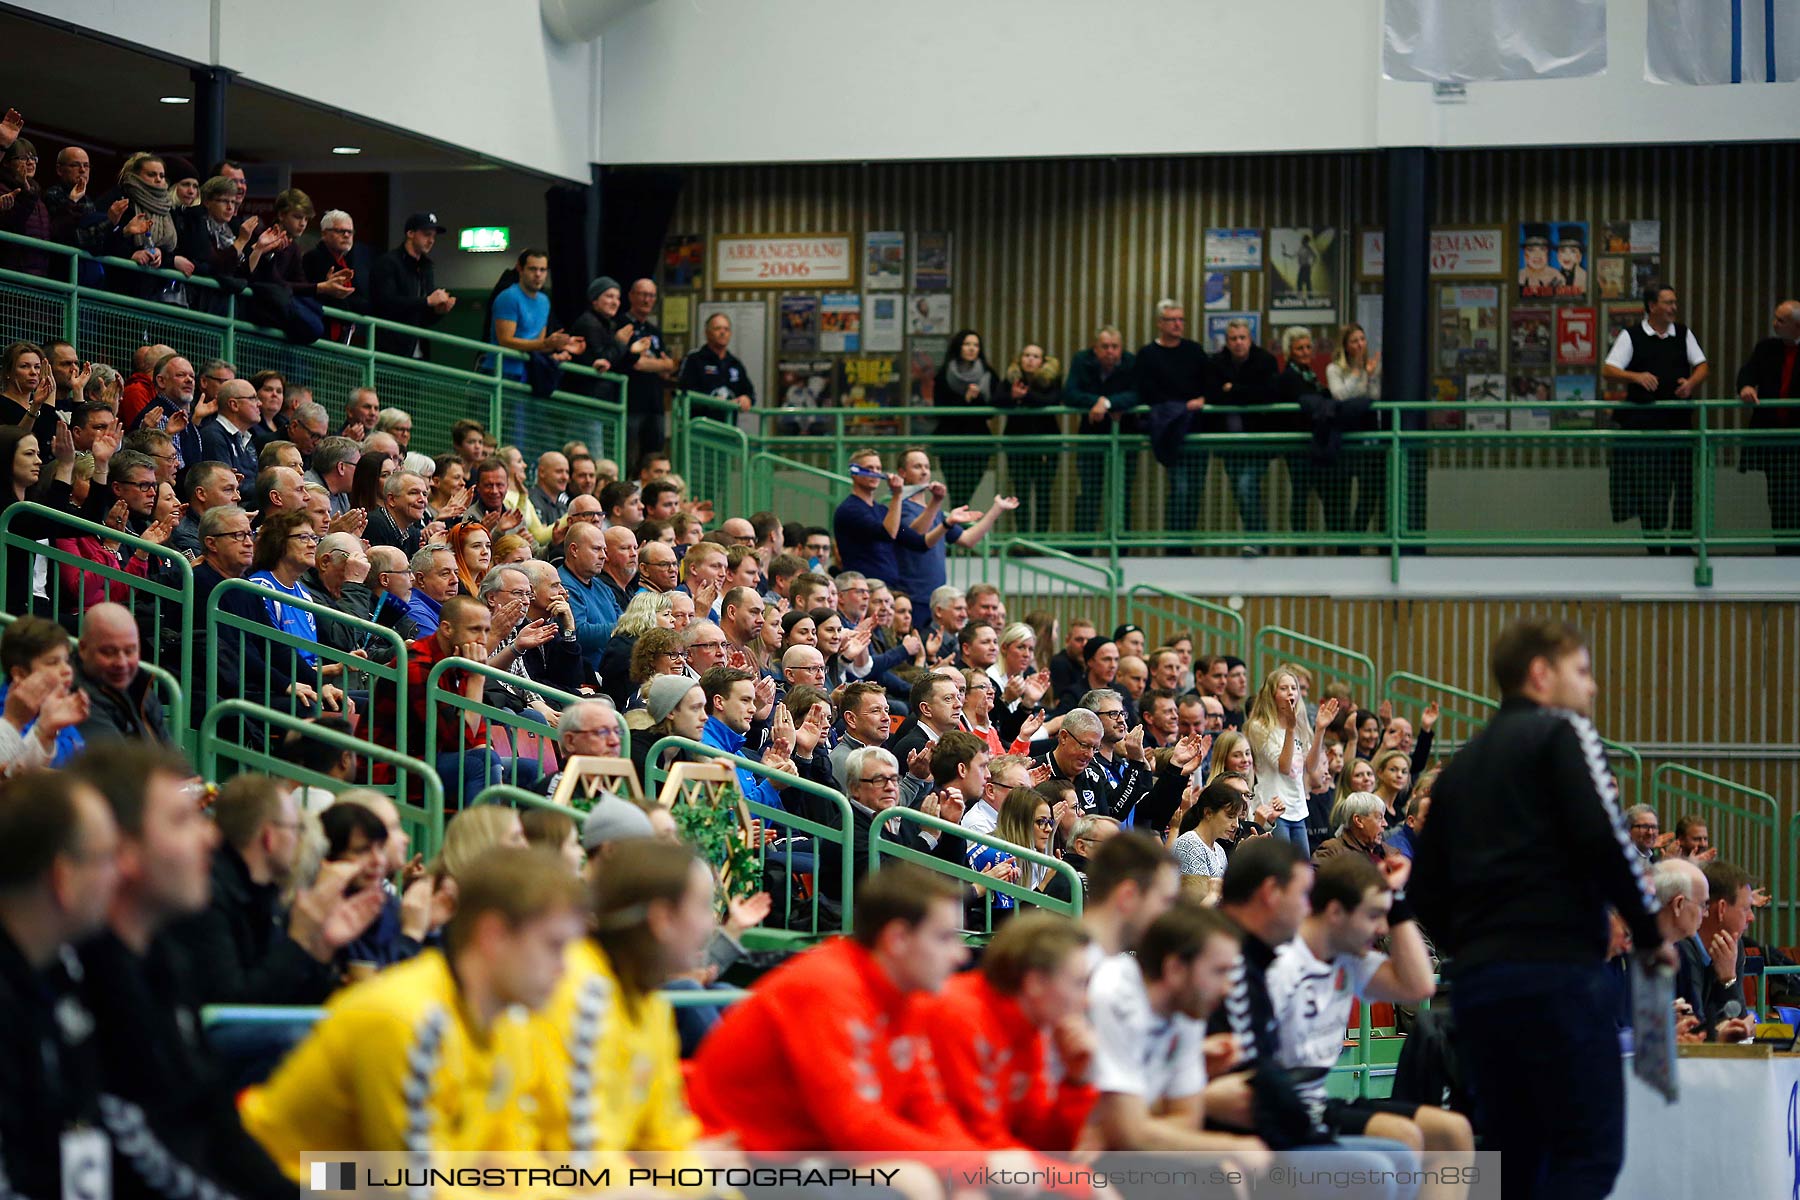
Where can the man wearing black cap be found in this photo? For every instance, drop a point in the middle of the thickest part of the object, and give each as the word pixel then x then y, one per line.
pixel 713 370
pixel 1537 278
pixel 1661 364
pixel 403 287
pixel 600 326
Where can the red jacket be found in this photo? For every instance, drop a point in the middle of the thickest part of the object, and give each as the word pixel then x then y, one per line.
pixel 139 391
pixel 826 1055
pixel 999 1070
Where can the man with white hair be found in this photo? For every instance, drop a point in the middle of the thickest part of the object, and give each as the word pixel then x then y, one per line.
pixel 337 253
pixel 872 782
pixel 589 728
pixel 397 423
pixel 360 412
pixel 1174 379
pixel 507 592
pixel 949 613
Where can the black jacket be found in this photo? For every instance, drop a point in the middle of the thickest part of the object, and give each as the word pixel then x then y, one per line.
pixel 241 937
pixel 1252 384
pixel 1282 1118
pixel 134 714
pixel 398 286
pixel 830 856
pixel 164 1105
pixel 358 601
pixel 49 1071
pixel 1525 848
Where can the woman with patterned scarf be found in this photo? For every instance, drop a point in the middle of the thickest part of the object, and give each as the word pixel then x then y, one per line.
pixel 144 230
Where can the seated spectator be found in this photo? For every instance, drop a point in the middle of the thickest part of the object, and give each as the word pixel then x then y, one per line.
pixel 390 584
pixel 607 1036
pixel 732 702
pixel 122 696
pixel 1393 779
pixel 286 549
pixel 1405 838
pixel 309 425
pixel 209 484
pixel 1712 960
pixel 1332 961
pixel 646 611
pixel 400 520
pixel 657 652
pixel 27 391
pixel 21 458
pixel 872 782
pixel 473 547
pixel 1364 821
pixel 1645 828
pixel 549 493
pixel 165 1096
pixel 587 728
pixel 337 580
pixel 56 886
pixel 1025 820
pixel 1213 819
pixel 434 580
pixel 547 829
pixel 392 1062
pixel 313 755
pixel 936 704
pixel 227 436
pixel 334 462
pixel 78 589
pixel 1148 1012
pixel 257 949
pixel 589 597
pixel 507 593
pixel 34 654
pixel 356 844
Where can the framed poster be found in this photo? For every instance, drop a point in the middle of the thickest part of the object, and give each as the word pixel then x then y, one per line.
pixel 1573 390
pixel 1625 276
pixel 931 263
pixel 1631 237
pixel 873 381
pixel 1484 389
pixel 677 315
pixel 1576 336
pixel 924 355
pixel 1233 249
pixel 882 327
pixel 684 261
pixel 928 313
pixel 1303 273
pixel 1468 327
pixel 803 383
pixel 1218 291
pixel 840 323
pixel 884 261
pixel 1619 318
pixel 1553 260
pixel 799 328
pixel 1446 391
pixel 1532 391
pixel 744 260
pixel 1457 252
pixel 1528 337
pixel 1216 323
pixel 749 340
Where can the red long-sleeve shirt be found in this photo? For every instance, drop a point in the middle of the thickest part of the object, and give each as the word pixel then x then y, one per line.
pixel 997 1070
pixel 826 1055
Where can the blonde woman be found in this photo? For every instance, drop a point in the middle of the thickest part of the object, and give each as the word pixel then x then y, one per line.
pixel 1231 752
pixel 1357 776
pixel 1393 776
pixel 1354 380
pixel 1286 749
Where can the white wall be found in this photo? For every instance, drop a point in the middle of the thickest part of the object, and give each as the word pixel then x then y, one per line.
pixel 464 198
pixel 728 81
pixel 476 73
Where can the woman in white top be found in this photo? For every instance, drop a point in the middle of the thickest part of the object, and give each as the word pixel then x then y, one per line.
pixel 1355 374
pixel 1213 818
pixel 1286 748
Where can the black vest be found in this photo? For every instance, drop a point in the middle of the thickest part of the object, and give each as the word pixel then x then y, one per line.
pixel 1665 358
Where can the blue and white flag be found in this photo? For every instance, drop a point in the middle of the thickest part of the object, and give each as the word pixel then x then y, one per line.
pixel 1466 41
pixel 1723 41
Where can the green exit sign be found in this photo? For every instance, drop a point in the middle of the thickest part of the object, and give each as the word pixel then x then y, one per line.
pixel 484 239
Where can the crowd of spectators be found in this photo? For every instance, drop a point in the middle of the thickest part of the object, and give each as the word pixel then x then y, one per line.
pixel 1241 846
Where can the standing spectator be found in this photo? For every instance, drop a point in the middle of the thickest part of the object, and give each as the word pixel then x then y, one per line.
pixel 713 370
pixel 1772 373
pixel 598 326
pixel 229 436
pixel 1353 384
pixel 281 265
pixel 1661 364
pixel 338 259
pixel 1287 748
pixel 1174 379
pixel 403 287
pixel 144 229
pixel 520 319
pixel 23 210
pixel 922 572
pixel 868 535
pixel 963 381
pixel 219 247
pixel 75 220
pixel 1103 380
pixel 1032 380
pixel 650 372
pixel 1246 379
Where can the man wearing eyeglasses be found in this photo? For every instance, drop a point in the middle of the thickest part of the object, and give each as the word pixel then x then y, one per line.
pixel 804 665
pixel 134 488
pixel 1645 828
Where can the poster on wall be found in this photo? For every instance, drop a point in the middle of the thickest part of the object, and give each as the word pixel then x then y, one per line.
pixel 1632 237
pixel 1233 249
pixel 1531 392
pixel 883 328
pixel 749 341
pixel 1446 391
pixel 1468 327
pixel 873 381
pixel 1486 388
pixel 1575 336
pixel 1216 323
pixel 803 383
pixel 1553 260
pixel 931 263
pixel 1619 318
pixel 840 323
pixel 884 261
pixel 684 261
pixel 1573 390
pixel 1368 315
pixel 1622 276
pixel 1457 252
pixel 1303 273
pixel 928 313
pixel 677 315
pixel 1218 291
pixel 1529 337
pixel 799 329
pixel 924 355
pixel 747 260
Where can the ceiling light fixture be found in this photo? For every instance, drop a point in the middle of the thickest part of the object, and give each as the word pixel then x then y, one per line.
pixel 174 99
pixel 346 149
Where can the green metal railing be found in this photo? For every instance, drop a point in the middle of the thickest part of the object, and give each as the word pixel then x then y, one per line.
pixel 882 847
pixel 357 677
pixel 518 797
pixel 423 816
pixel 805 922
pixel 1164 614
pixel 1328 662
pixel 527 739
pixel 796 490
pixel 1461 714
pixel 161 599
pixel 1745 823
pixel 1034 575
pixel 108 327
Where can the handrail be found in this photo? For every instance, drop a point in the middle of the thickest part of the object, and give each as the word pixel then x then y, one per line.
pixel 1231 618
pixel 437 694
pixel 1268 656
pixel 427 819
pixel 880 847
pixel 518 797
pixel 843 835
pixel 1742 812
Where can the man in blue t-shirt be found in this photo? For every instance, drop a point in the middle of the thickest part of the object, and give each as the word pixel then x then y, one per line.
pixel 521 318
pixel 919 572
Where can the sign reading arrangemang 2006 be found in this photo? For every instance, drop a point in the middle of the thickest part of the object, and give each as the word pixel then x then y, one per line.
pixel 800 260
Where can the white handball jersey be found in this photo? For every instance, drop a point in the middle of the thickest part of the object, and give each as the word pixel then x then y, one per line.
pixel 1138 1053
pixel 1312 1006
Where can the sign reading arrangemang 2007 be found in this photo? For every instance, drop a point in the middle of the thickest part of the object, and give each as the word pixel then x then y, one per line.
pixel 783 260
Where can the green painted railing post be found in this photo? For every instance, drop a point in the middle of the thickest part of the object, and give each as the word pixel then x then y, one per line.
pixel 1703 504
pixel 72 313
pixel 1396 493
pixel 496 398
pixel 1114 499
pixel 228 341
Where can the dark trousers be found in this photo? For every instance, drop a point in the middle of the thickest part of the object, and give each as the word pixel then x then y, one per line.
pixel 962 475
pixel 1781 468
pixel 1033 478
pixel 1245 473
pixel 1645 478
pixel 1187 481
pixel 1090 468
pixel 1542 1055
pixel 643 434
